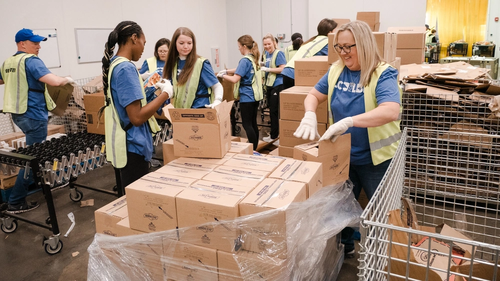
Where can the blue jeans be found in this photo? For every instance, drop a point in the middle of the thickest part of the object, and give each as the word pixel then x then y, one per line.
pixel 366 177
pixel 36 132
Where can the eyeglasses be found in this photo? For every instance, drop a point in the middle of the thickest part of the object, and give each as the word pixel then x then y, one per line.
pixel 162 52
pixel 346 49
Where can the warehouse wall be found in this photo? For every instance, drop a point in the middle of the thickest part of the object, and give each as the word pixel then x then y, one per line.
pixel 492 26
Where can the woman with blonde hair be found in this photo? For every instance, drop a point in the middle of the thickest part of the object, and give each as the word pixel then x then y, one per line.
pixel 194 80
pixel 274 62
pixel 315 46
pixel 364 99
pixel 248 86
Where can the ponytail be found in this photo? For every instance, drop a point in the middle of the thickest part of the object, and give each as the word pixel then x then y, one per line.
pixel 255 51
pixel 247 40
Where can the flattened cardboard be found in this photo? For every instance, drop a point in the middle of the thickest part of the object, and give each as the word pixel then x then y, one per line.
pixel 335 157
pixel 60 95
pixel 93 103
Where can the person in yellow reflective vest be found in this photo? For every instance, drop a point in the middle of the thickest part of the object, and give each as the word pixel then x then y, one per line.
pixel 129 120
pixel 274 62
pixel 193 78
pixel 364 99
pixel 248 86
pixel 26 98
pixel 315 46
pixel 157 62
pixel 292 49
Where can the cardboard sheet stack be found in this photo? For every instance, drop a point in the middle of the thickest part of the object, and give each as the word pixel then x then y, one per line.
pixel 456 111
pixel 226 216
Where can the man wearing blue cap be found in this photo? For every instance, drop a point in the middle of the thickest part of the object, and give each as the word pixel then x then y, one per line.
pixel 26 98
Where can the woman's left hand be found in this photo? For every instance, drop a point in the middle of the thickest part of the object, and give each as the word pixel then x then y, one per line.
pixel 337 129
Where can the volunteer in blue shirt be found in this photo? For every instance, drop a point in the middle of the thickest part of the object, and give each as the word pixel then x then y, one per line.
pixel 364 99
pixel 157 62
pixel 248 86
pixel 291 50
pixel 273 65
pixel 26 98
pixel 193 78
pixel 315 46
pixel 129 120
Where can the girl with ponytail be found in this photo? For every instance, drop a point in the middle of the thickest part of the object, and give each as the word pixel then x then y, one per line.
pixel 129 120
pixel 248 86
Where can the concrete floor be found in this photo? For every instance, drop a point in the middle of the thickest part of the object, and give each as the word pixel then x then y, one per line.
pixel 24 258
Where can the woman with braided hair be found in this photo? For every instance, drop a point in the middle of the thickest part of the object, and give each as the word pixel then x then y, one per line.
pixel 129 120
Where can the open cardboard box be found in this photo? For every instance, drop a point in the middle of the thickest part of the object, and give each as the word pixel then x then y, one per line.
pixel 437 260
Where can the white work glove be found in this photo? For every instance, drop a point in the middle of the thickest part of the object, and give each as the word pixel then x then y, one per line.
pixel 222 73
pixel 337 129
pixel 265 69
pixel 218 91
pixel 213 105
pixel 145 75
pixel 70 80
pixel 165 86
pixel 308 128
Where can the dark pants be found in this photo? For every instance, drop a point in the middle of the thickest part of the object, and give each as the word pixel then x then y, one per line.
pixel 366 177
pixel 249 121
pixel 273 100
pixel 36 132
pixel 288 82
pixel 136 168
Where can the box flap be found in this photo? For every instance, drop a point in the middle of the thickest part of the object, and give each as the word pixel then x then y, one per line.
pixel 200 115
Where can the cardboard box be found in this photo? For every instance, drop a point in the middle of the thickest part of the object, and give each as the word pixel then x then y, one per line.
pixel 285 151
pixel 287 128
pixel 93 103
pixel 60 95
pixel 209 163
pixel 308 71
pixel 186 169
pixel 8 138
pixel 333 56
pixel 409 37
pixel 335 157
pixel 241 148
pixel 202 132
pixel 267 233
pixel 168 151
pixel 123 228
pixel 340 22
pixel 254 162
pixel 310 173
pixel 7 181
pixel 371 18
pixel 109 215
pixel 385 45
pixel 410 56
pixel 94 86
pixel 205 218
pixel 184 261
pixel 237 176
pixel 228 88
pixel 292 105
pixel 55 129
pixel 151 203
pixel 265 267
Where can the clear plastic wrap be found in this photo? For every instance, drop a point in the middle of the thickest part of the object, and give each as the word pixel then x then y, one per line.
pixel 298 242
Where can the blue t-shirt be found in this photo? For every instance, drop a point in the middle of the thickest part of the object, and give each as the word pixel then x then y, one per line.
pixel 245 70
pixel 207 80
pixel 348 100
pixel 125 89
pixel 280 60
pixel 37 107
pixel 290 72
pixel 159 65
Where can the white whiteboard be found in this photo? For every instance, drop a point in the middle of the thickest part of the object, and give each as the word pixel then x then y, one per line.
pixel 90 43
pixel 49 53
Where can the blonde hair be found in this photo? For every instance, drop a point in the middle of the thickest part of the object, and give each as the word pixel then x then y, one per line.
pixel 270 36
pixel 368 56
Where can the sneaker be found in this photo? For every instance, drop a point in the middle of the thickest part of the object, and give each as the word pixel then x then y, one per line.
pixel 4 206
pixel 349 253
pixel 268 139
pixel 61 186
pixel 155 163
pixel 23 207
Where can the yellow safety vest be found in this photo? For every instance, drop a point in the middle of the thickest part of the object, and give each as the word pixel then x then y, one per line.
pixel 271 77
pixel 384 139
pixel 308 50
pixel 289 53
pixel 116 136
pixel 152 64
pixel 256 82
pixel 186 94
pixel 16 85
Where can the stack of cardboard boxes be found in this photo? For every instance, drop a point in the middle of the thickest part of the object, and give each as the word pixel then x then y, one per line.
pixel 371 18
pixel 411 44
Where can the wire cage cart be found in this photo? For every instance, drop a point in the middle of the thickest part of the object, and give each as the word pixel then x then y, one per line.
pixel 483 49
pixel 448 167
pixel 458 48
pixel 432 52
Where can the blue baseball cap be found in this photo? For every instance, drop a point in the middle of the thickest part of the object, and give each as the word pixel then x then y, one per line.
pixel 27 34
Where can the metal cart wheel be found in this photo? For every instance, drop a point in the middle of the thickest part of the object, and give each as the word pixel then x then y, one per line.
pixel 12 228
pixel 77 196
pixel 52 251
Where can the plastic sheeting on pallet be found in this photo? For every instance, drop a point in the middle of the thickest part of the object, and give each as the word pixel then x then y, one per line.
pixel 299 242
